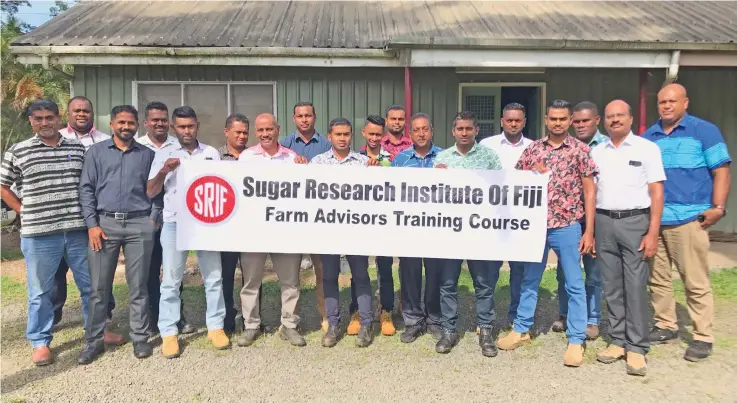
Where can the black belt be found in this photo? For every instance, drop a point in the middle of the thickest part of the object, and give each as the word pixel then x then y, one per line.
pixel 125 216
pixel 617 214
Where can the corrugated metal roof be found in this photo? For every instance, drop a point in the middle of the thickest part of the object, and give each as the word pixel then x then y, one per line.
pixel 372 24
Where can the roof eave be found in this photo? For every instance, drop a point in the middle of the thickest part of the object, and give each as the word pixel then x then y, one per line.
pixel 399 43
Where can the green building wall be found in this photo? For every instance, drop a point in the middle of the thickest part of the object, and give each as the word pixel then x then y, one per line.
pixel 354 93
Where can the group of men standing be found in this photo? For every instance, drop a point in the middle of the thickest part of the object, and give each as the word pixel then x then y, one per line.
pixel 606 196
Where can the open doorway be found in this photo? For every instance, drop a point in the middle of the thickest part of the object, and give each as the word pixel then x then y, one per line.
pixel 487 100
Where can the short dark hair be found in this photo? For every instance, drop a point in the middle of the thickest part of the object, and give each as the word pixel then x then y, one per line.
pixel 514 106
pixel 80 98
pixel 586 106
pixel 236 117
pixel 393 108
pixel 465 115
pixel 420 115
pixel 156 105
pixel 559 104
pixel 43 105
pixel 339 122
pixel 304 103
pixel 184 112
pixel 124 108
pixel 377 120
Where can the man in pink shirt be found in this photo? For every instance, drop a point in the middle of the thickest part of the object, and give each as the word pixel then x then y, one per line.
pixel 286 265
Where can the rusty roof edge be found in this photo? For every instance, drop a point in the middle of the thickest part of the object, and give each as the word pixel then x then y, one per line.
pixel 169 51
pixel 410 42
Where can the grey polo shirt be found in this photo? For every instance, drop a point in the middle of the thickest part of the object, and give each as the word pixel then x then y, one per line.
pixel 115 181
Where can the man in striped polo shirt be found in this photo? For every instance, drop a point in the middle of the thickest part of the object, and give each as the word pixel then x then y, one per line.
pixel 48 166
pixel 696 164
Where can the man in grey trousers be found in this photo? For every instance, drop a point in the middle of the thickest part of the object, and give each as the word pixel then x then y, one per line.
pixel 629 204
pixel 118 213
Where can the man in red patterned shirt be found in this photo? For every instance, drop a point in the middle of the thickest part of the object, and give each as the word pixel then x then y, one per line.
pixel 395 141
pixel 571 171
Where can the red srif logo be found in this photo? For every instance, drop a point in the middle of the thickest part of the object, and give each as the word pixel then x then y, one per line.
pixel 210 199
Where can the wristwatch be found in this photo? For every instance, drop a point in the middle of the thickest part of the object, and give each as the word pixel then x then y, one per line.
pixel 720 207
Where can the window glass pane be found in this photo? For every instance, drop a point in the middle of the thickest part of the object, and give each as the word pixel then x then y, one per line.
pixel 252 100
pixel 169 94
pixel 211 104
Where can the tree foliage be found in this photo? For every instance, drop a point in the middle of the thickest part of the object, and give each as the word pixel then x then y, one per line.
pixel 20 84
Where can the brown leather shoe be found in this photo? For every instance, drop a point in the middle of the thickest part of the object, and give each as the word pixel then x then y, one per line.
pixel 573 356
pixel 636 364
pixel 592 332
pixel 114 339
pixel 512 340
pixel 42 356
pixel 611 354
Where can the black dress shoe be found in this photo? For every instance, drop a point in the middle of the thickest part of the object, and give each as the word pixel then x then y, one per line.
pixel 365 336
pixel 412 333
pixel 90 353
pixel 142 349
pixel 446 342
pixel 697 351
pixel 331 337
pixel 185 327
pixel 436 331
pixel 659 336
pixel 486 341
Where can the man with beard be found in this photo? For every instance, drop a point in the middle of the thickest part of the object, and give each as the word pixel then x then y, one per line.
pixel 163 177
pixel 586 129
pixel 47 166
pixel 395 141
pixel 80 126
pixel 157 138
pixel 571 196
pixel 118 213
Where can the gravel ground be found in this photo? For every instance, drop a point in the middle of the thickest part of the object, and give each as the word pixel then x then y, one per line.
pixel 388 370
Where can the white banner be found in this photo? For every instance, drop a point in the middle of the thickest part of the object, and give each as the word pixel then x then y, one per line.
pixel 374 211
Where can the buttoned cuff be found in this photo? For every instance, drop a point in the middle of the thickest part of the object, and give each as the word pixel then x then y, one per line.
pixel 92 222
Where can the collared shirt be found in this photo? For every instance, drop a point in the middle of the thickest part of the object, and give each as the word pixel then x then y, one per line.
pixel 393 149
pixel 478 157
pixel 409 158
pixel 146 141
pixel 384 157
pixel 93 137
pixel 507 151
pixel 49 177
pixel 568 164
pixel 329 158
pixel 625 172
pixel 257 153
pixel 227 155
pixel 598 138
pixel 690 152
pixel 201 153
pixel 114 180
pixel 318 144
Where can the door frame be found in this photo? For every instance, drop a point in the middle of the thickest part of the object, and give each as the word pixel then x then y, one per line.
pixel 536 84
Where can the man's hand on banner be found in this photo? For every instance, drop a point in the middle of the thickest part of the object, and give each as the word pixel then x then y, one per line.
pixel 540 168
pixel 441 166
pixel 170 165
pixel 372 162
pixel 300 160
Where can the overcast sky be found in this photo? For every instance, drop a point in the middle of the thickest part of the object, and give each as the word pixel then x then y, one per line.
pixel 37 14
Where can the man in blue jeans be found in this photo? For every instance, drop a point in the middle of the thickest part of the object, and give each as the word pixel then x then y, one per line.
pixel 586 129
pixel 571 172
pixel 48 166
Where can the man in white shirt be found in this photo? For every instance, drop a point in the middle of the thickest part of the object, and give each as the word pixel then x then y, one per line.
pixel 156 138
pixel 286 265
pixel 629 204
pixel 509 146
pixel 80 126
pixel 163 176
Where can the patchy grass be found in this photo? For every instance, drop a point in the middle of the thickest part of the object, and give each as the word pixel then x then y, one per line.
pixel 12 289
pixel 7 254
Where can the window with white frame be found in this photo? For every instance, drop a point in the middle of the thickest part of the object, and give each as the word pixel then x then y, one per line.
pixel 212 101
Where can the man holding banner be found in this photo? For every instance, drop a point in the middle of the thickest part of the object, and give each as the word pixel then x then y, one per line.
pixel 286 265
pixel 340 133
pixel 416 321
pixel 466 154
pixel 571 173
pixel 163 176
